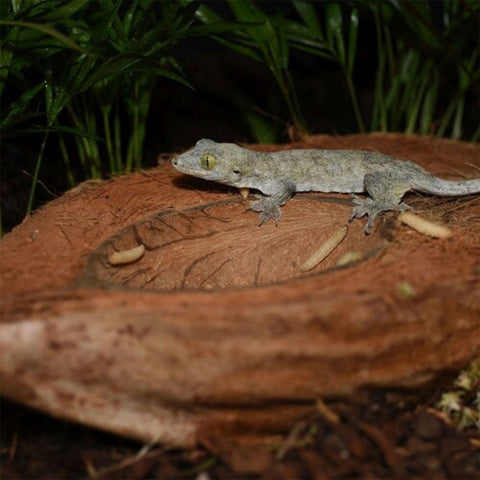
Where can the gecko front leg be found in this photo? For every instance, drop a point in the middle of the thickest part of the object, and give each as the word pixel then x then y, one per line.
pixel 269 205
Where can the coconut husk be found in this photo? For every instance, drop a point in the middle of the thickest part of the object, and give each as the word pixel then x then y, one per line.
pixel 216 327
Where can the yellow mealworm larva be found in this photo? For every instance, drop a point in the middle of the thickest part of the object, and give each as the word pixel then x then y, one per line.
pixel 244 192
pixel 126 256
pixel 326 248
pixel 349 257
pixel 423 226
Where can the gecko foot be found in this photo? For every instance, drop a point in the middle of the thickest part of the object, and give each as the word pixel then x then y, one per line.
pixel 268 208
pixel 372 208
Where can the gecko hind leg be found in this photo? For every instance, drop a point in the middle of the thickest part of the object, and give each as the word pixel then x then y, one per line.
pixel 385 193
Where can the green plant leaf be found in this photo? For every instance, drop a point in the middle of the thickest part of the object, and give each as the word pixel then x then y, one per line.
pixel 63 10
pixel 418 17
pixel 162 72
pixel 299 36
pixel 36 129
pixel 307 13
pixel 17 108
pixel 45 29
pixel 429 104
pixel 201 12
pixel 335 31
pixel 78 132
pixel 352 40
pixel 6 58
pixel 247 11
pixel 262 128
pixel 218 27
pixel 248 51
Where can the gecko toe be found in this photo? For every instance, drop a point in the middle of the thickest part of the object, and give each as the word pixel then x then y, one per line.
pixel 366 207
pixel 267 208
pixel 262 218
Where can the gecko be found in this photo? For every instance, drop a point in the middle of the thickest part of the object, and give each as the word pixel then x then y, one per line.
pixel 277 176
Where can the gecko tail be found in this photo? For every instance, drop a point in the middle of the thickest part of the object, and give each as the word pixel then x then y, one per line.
pixel 446 188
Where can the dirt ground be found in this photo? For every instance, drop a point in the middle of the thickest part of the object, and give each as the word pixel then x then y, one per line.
pixel 376 434
pixel 215 348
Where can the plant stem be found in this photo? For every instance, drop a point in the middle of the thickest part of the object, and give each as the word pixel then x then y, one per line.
pixel 117 135
pixel 457 121
pixel 108 140
pixel 35 175
pixel 353 98
pixel 378 111
pixel 66 160
pixel 284 85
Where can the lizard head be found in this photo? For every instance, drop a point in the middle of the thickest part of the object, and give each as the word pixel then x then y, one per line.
pixel 220 162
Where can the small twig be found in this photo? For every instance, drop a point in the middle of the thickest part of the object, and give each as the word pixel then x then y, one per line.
pixel 143 453
pixel 327 413
pixel 40 183
pixel 291 440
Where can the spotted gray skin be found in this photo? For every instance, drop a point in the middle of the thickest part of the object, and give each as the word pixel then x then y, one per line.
pixel 279 175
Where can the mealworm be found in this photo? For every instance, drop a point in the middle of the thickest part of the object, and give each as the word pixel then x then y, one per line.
pixel 349 257
pixel 423 226
pixel 126 256
pixel 325 249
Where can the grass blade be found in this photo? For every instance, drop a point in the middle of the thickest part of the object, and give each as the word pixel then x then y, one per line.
pixel 335 31
pixel 68 42
pixel 307 13
pixel 35 175
pixel 63 11
pixel 352 40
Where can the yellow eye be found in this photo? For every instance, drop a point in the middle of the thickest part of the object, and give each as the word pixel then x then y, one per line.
pixel 208 161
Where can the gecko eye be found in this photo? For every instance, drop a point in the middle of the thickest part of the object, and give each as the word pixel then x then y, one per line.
pixel 208 161
pixel 236 171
